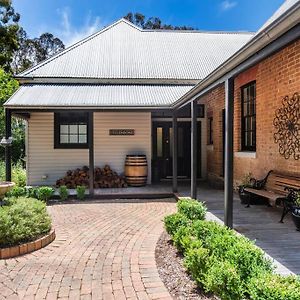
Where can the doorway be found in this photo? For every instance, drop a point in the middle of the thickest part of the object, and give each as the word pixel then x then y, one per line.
pixel 162 151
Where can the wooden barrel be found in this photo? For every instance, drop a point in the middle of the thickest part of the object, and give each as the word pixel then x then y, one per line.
pixel 136 170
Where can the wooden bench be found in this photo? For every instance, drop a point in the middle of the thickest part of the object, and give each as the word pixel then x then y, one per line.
pixel 278 188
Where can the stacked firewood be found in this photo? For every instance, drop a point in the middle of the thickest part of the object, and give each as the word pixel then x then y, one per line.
pixel 103 178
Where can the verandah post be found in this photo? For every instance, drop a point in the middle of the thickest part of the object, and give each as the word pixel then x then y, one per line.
pixel 7 146
pixel 228 188
pixel 194 150
pixel 175 151
pixel 91 153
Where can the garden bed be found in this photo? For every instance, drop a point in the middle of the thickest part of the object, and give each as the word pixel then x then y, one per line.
pixel 173 273
pixel 223 263
pixel 22 221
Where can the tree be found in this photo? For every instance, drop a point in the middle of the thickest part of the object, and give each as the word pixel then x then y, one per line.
pixel 8 85
pixel 152 22
pixel 33 51
pixel 8 33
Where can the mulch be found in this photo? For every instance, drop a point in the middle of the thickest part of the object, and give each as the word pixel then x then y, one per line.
pixel 173 274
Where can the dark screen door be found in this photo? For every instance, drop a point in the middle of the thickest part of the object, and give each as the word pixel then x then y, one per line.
pixel 162 133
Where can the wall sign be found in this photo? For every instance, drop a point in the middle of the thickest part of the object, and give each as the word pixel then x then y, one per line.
pixel 121 131
pixel 286 123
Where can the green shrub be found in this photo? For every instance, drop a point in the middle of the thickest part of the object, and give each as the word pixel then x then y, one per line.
pixel 192 209
pixel 222 279
pixel 224 244
pixel 23 220
pixel 274 287
pixel 197 261
pixel 16 192
pixel 63 192
pixel 183 238
pixel 80 191
pixel 174 222
pixel 19 175
pixel 44 193
pixel 32 192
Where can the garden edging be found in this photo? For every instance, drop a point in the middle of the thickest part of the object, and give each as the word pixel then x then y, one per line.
pixel 29 247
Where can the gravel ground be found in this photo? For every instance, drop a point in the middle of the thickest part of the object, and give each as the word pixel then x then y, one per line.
pixel 173 274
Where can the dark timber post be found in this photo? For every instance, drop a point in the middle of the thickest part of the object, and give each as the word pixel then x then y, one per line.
pixel 175 151
pixel 228 192
pixel 194 150
pixel 91 153
pixel 7 147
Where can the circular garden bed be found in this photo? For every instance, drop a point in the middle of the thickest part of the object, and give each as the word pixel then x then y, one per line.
pixel 25 226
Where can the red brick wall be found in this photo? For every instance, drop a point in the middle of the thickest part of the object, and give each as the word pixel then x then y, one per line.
pixel 276 77
pixel 214 102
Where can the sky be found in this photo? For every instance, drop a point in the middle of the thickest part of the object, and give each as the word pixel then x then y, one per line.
pixel 72 20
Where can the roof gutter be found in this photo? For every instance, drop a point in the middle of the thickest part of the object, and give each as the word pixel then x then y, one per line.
pixel 230 67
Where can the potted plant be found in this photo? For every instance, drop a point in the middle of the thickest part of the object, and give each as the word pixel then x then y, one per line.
pixel 296 212
pixel 245 182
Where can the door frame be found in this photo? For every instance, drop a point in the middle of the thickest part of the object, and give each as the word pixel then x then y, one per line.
pixel 153 147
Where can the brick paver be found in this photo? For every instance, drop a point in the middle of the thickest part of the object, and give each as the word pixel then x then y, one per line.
pixel 103 250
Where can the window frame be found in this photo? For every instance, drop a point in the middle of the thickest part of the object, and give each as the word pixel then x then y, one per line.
pixel 58 122
pixel 244 147
pixel 210 131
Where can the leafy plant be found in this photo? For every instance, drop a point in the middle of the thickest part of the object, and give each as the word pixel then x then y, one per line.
pixel 174 222
pixel 274 287
pixel 32 192
pixel 44 193
pixel 192 209
pixel 63 192
pixel 246 180
pixel 16 192
pixel 22 220
pixel 80 191
pixel 19 175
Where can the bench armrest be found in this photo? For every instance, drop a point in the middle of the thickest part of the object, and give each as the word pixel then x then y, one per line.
pixel 259 184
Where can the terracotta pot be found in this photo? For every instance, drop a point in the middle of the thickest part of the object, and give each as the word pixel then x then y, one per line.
pixel 5 187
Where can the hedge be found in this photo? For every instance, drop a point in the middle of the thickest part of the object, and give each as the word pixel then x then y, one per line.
pixel 224 263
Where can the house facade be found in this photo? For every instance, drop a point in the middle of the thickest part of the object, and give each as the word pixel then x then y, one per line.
pixel 259 92
pixel 223 104
pixel 128 78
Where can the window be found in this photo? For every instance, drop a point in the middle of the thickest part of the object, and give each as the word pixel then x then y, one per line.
pixel 71 130
pixel 210 131
pixel 249 117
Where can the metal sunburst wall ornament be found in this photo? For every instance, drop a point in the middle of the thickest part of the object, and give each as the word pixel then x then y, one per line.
pixel 287 125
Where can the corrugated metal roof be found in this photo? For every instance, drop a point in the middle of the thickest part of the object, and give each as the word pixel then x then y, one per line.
pixel 96 96
pixel 123 50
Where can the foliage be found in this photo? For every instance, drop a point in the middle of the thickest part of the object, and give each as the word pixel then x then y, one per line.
pixel 16 192
pixel 80 191
pixel 246 180
pixel 33 51
pixel 8 85
pixel 18 174
pixel 274 287
pixel 222 262
pixel 63 192
pixel 152 22
pixel 8 33
pixel 174 222
pixel 32 192
pixel 192 209
pixel 44 193
pixel 23 220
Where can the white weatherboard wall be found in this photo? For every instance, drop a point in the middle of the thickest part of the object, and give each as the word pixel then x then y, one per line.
pixel 43 160
pixel 111 149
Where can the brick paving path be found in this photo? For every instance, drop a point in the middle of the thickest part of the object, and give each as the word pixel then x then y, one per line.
pixel 103 250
